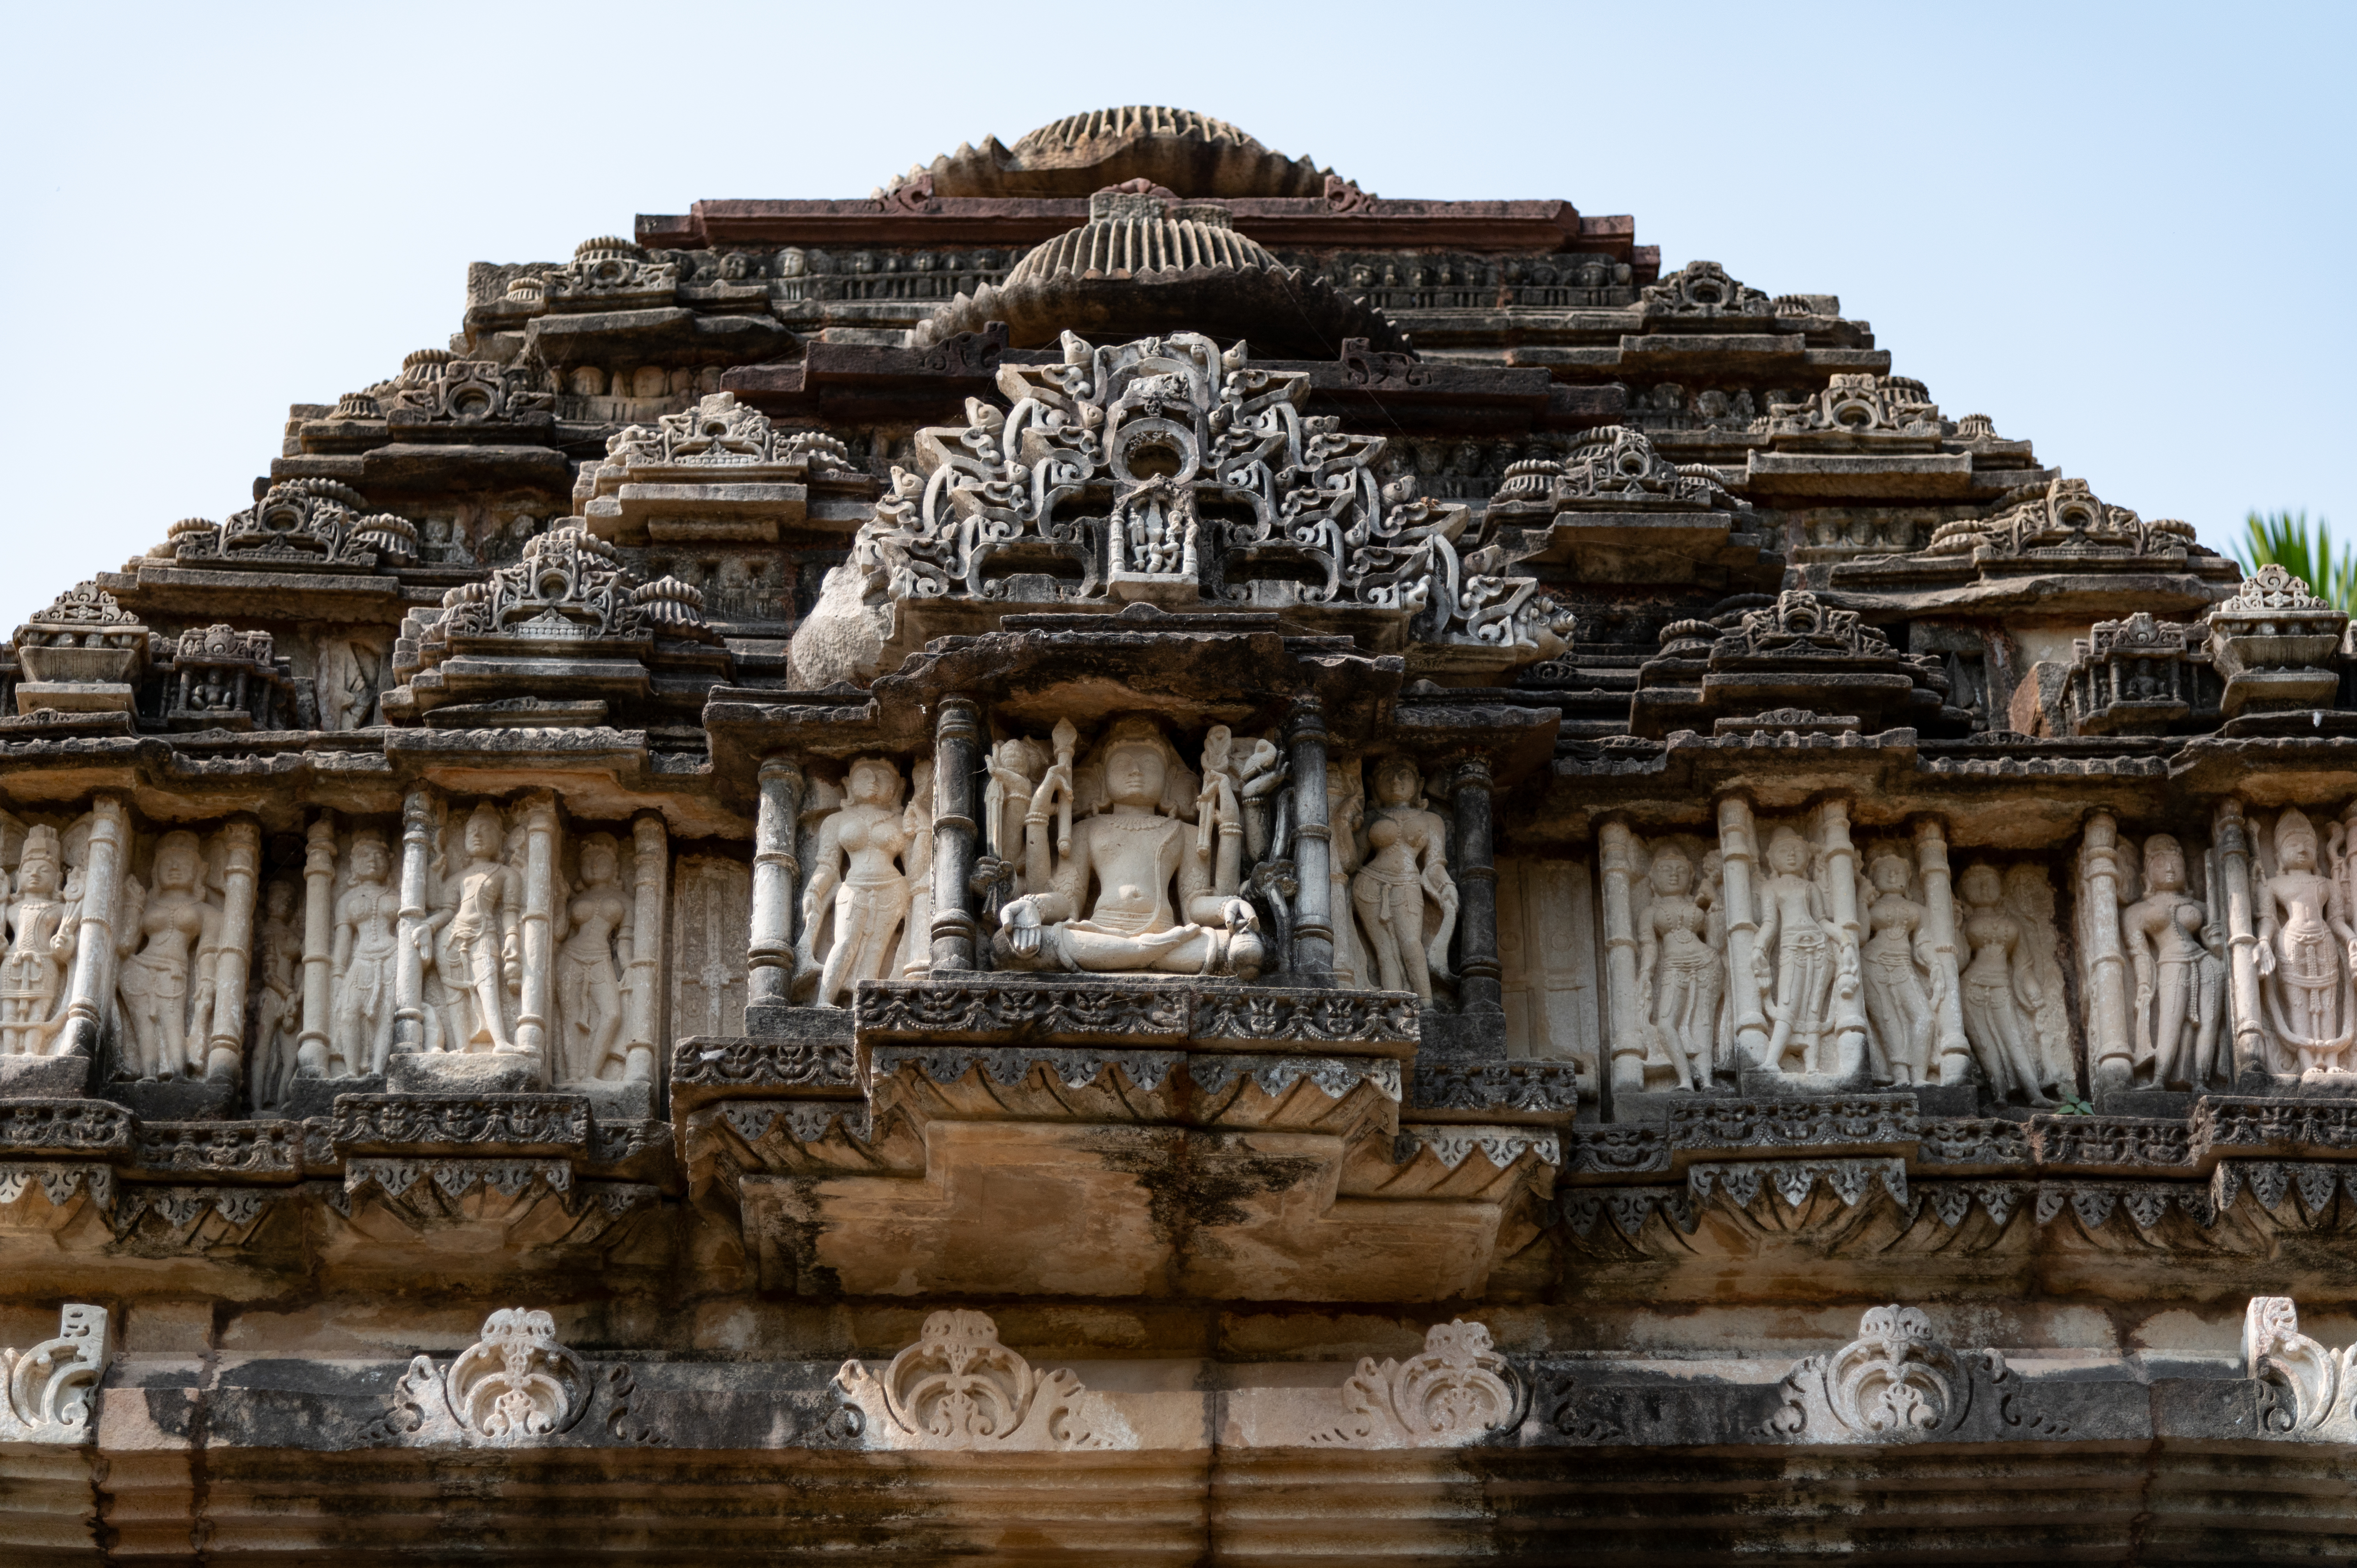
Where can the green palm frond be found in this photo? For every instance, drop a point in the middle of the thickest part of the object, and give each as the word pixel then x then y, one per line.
pixel 2282 539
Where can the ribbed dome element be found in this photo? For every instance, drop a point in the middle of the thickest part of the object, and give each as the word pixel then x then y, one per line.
pixel 1191 154
pixel 1146 262
pixel 1129 233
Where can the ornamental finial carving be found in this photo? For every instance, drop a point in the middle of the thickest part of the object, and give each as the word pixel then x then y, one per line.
pixel 516 1387
pixel 48 1388
pixel 1457 1391
pixel 958 1389
pixel 2308 1389
pixel 1897 1382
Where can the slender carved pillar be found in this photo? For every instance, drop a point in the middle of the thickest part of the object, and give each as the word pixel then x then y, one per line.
pixel 417 823
pixel 1738 849
pixel 241 876
pixel 1955 1065
pixel 2234 837
pixel 1313 848
pixel 1627 1041
pixel 539 910
pixel 1849 992
pixel 2109 1042
pixel 93 968
pixel 318 947
pixel 769 950
pixel 1478 986
pixel 651 862
pixel 957 744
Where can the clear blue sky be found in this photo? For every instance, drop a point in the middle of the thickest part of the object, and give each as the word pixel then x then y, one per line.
pixel 2124 232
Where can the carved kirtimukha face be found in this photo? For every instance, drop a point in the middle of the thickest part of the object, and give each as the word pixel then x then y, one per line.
pixel 1397 781
pixel 2164 864
pixel 368 858
pixel 1981 886
pixel 1672 874
pixel 1788 853
pixel 1890 875
pixel 1134 774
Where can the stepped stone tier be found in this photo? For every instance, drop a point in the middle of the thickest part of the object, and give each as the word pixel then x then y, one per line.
pixel 1124 855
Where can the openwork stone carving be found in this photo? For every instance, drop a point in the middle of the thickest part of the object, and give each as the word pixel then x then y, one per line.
pixel 515 1388
pixel 1109 463
pixel 958 1389
pixel 1457 1392
pixel 570 586
pixel 80 655
pixel 1857 405
pixel 48 1387
pixel 2311 1387
pixel 2068 521
pixel 1703 288
pixel 1895 1382
pixel 300 525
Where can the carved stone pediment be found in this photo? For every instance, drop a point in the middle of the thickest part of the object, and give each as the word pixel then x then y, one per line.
pixel 83 654
pixel 606 274
pixel 300 525
pixel 718 471
pixel 2276 644
pixel 1703 289
pixel 1613 510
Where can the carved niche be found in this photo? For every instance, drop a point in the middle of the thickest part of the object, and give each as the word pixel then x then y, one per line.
pixel 2152 937
pixel 227 679
pixel 1785 946
pixel 182 930
pixel 2291 985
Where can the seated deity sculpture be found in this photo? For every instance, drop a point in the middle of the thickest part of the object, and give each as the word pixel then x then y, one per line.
pixel 1113 860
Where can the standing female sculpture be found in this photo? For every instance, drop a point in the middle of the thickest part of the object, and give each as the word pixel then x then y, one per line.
pixel 1807 949
pixel 871 897
pixel 277 997
pixel 366 938
pixel 165 985
pixel 2179 981
pixel 1998 990
pixel 482 935
pixel 588 988
pixel 1897 975
pixel 1404 896
pixel 1678 969
pixel 42 928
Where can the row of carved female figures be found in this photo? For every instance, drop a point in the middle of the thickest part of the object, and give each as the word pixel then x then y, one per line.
pixel 1820 958
pixel 1120 859
pixel 590 1019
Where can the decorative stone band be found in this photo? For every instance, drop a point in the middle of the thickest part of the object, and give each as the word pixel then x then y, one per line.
pixel 1545 1088
pixel 263 1150
pixel 63 1126
pixel 1006 1008
pixel 515 1124
pixel 1211 1073
pixel 1704 1123
pixel 1793 1180
pixel 1452 1144
pixel 709 1066
pixel 190 1217
pixel 804 1121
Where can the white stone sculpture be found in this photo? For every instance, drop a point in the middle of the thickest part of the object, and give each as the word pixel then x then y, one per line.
pixel 362 954
pixel 277 995
pixel 43 926
pixel 1125 824
pixel 1402 894
pixel 958 1389
pixel 515 1387
pixel 474 938
pixel 594 935
pixel 917 930
pixel 2180 974
pixel 1805 961
pixel 1458 1389
pixel 1999 991
pixel 1681 974
pixel 2307 950
pixel 858 895
pixel 45 1392
pixel 2313 1387
pixel 1900 971
pixel 168 941
pixel 1346 818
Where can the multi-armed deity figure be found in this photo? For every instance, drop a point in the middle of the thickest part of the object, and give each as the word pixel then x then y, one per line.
pixel 1404 896
pixel 2180 977
pixel 169 939
pixel 1679 972
pixel 365 944
pixel 869 898
pixel 42 927
pixel 2304 935
pixel 1123 824
pixel 1799 956
pixel 1899 973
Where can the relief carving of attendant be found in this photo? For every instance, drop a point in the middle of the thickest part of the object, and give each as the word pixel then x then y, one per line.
pixel 1799 953
pixel 169 939
pixel 1898 975
pixel 277 995
pixel 1998 991
pixel 870 897
pixel 588 986
pixel 2304 938
pixel 42 930
pixel 1405 899
pixel 477 955
pixel 1133 853
pixel 2180 978
pixel 366 939
pixel 1679 972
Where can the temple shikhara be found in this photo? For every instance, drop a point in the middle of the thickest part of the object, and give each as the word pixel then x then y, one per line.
pixel 1125 855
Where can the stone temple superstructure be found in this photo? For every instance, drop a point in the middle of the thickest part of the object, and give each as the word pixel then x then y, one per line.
pixel 1124 855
